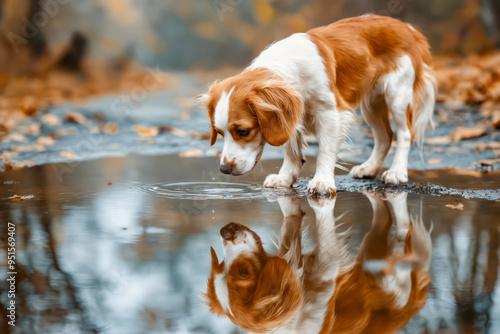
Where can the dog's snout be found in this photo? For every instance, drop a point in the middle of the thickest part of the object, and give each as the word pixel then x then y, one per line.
pixel 226 168
pixel 228 232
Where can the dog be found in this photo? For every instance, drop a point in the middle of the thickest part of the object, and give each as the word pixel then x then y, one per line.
pixel 327 290
pixel 310 83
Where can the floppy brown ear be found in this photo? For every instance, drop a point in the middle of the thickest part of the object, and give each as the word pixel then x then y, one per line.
pixel 208 101
pixel 213 136
pixel 277 297
pixel 278 107
pixel 210 297
pixel 216 266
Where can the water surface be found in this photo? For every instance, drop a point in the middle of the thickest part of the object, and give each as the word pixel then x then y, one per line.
pixel 122 245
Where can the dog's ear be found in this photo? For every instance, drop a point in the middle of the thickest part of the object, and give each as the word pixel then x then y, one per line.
pixel 277 296
pixel 207 100
pixel 278 107
pixel 210 297
pixel 217 267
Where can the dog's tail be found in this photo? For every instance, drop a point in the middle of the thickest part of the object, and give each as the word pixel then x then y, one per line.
pixel 423 105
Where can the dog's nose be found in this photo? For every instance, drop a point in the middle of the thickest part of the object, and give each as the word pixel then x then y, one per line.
pixel 227 232
pixel 226 168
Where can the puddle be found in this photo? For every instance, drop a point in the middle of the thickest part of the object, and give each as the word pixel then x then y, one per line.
pixel 122 245
pixel 204 190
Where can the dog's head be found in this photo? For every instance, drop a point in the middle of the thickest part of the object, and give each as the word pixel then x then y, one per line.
pixel 249 110
pixel 255 291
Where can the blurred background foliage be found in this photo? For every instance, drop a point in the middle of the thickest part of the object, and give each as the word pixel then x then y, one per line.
pixel 181 35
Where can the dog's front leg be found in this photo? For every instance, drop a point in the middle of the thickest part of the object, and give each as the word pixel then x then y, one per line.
pixel 330 134
pixel 290 245
pixel 292 164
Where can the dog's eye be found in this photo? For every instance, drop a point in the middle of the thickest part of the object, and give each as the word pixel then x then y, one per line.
pixel 244 273
pixel 243 132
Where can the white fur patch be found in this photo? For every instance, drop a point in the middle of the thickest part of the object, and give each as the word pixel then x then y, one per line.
pixel 222 292
pixel 222 111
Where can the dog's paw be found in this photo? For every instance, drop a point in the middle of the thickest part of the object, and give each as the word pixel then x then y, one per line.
pixel 321 203
pixel 278 181
pixel 322 188
pixel 395 176
pixel 365 171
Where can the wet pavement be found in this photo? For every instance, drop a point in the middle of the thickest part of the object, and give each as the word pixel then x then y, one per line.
pixel 111 246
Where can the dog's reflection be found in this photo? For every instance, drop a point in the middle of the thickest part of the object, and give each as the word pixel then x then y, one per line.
pixel 327 290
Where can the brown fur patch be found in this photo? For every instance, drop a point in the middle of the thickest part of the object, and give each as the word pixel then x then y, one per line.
pixel 358 51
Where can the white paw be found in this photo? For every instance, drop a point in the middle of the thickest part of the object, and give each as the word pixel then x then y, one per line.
pixel 365 170
pixel 395 176
pixel 278 181
pixel 320 188
pixel 321 203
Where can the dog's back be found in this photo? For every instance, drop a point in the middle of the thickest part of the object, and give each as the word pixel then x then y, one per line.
pixel 363 49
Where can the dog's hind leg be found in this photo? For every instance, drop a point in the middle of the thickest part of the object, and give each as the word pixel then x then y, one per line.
pixel 398 94
pixel 376 114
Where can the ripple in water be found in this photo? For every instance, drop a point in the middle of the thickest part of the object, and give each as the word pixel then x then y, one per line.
pixel 205 190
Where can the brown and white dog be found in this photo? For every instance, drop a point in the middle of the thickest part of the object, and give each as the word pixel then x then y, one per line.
pixel 311 83
pixel 327 290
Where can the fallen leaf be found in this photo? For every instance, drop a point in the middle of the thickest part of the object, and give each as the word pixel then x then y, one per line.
pixel 350 154
pixel 14 136
pixel 111 128
pixel 485 146
pixel 174 131
pixel 197 135
pixel 32 129
pixel 194 152
pixel 468 133
pixel 28 148
pixel 29 110
pixel 213 152
pixel 19 164
pixel 109 183
pixel 51 120
pixel 495 120
pixel 75 117
pixel 459 206
pixel 69 155
pixel 99 116
pixel 63 132
pixel 145 132
pixel 21 198
pixel 466 172
pixel 7 155
pixel 443 140
pixel 47 141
